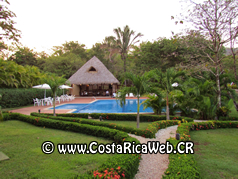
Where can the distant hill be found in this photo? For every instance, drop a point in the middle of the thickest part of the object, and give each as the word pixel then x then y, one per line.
pixel 228 51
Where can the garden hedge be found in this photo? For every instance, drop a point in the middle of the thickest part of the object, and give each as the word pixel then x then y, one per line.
pixel 228 118
pixel 184 165
pixel 125 117
pixel 149 132
pixel 13 97
pixel 127 163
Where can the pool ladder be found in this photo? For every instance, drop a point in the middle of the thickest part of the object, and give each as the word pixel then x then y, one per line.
pixel 94 97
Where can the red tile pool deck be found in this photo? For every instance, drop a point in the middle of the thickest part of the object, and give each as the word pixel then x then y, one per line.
pixel 44 109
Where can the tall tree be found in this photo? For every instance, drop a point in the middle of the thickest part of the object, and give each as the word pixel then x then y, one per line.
pixel 140 86
pixel 24 56
pixel 70 47
pixel 212 19
pixel 124 42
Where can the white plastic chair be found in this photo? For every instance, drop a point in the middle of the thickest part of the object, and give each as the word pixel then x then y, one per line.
pixel 131 95
pixel 57 99
pixel 126 95
pixel 49 101
pixel 36 101
pixel 62 98
pixel 114 95
pixel 73 97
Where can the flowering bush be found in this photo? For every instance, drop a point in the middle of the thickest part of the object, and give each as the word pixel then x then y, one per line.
pixel 110 173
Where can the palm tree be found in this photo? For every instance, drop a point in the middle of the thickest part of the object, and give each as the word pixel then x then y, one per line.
pixel 156 102
pixel 140 87
pixel 54 82
pixel 165 81
pixel 124 42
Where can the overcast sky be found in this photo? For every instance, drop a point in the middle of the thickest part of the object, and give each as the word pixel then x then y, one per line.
pixel 48 23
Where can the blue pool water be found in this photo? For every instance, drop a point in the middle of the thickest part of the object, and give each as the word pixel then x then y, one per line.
pixel 106 106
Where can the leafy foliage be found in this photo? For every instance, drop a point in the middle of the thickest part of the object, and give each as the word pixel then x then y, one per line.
pixel 54 82
pixel 7 25
pixel 14 75
pixel 165 81
pixel 140 86
pixel 156 102
pixel 20 97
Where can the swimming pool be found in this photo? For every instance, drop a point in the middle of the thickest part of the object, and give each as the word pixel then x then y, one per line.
pixel 106 106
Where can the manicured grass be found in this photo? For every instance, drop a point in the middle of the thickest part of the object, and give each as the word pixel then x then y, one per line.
pixel 22 143
pixel 143 125
pixel 216 152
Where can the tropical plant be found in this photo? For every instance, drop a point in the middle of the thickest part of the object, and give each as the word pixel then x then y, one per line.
pixel 140 86
pixel 124 42
pixel 7 74
pixel 156 102
pixel 224 110
pixel 165 81
pixel 54 82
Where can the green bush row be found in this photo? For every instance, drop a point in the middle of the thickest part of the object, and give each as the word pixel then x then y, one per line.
pixel 132 117
pixel 149 132
pixel 125 117
pixel 181 165
pixel 228 118
pixel 131 130
pixel 184 165
pixel 129 163
pixel 21 97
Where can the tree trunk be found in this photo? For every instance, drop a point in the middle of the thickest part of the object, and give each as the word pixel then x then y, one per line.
pixel 54 103
pixel 218 89
pixel 124 59
pixel 138 112
pixel 167 106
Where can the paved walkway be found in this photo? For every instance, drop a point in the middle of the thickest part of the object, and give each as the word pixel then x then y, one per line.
pixel 153 166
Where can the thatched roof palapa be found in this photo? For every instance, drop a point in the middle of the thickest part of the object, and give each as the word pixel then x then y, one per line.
pixel 93 72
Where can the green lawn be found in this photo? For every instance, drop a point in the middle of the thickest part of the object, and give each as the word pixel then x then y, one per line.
pixel 143 125
pixel 216 153
pixel 22 143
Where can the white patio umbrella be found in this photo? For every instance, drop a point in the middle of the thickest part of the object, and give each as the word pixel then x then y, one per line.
pixel 64 87
pixel 43 86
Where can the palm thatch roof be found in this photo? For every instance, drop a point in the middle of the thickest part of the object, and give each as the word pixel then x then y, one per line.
pixel 93 72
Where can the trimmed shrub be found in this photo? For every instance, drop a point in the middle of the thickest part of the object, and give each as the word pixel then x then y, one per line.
pixel 149 132
pixel 21 97
pixel 128 163
pixel 228 118
pixel 125 117
pixel 131 130
pixel 181 165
